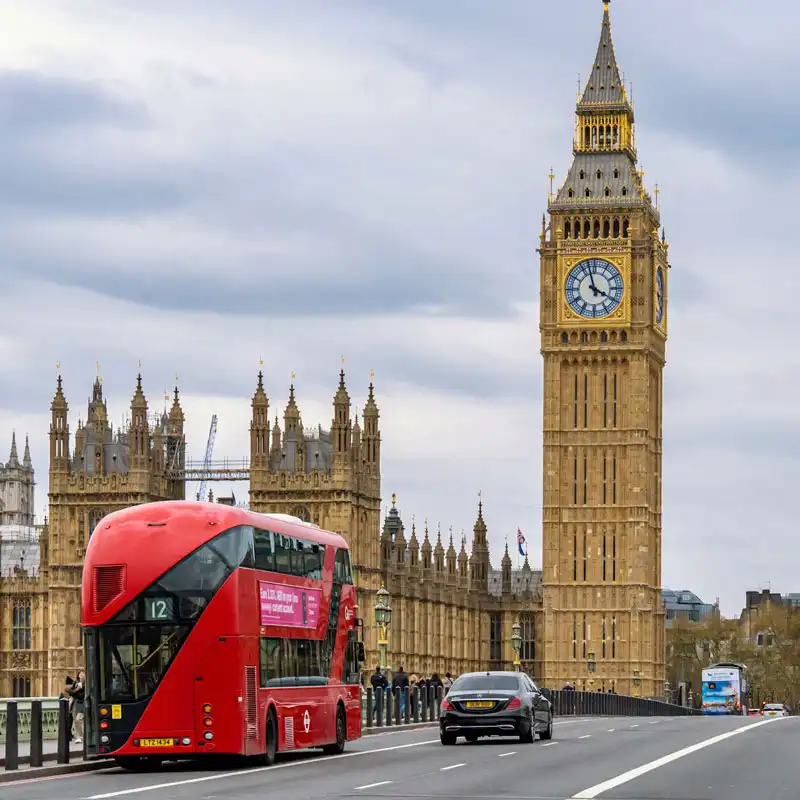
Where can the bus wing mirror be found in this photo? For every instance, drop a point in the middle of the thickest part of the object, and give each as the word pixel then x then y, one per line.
pixel 362 656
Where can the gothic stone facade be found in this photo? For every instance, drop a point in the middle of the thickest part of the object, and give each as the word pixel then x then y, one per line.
pixel 451 613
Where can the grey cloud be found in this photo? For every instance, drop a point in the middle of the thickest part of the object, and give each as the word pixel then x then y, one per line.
pixel 34 104
pixel 51 160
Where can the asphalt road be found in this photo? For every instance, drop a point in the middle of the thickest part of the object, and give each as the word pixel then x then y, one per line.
pixel 674 758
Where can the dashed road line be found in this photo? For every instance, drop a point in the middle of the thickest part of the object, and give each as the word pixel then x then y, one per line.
pixel 503 755
pixel 452 766
pixel 588 736
pixel 371 785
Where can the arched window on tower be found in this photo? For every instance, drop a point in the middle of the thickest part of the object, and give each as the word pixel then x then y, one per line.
pixel 528 632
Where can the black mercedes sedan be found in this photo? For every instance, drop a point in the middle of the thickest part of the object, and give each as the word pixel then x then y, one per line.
pixel 495 704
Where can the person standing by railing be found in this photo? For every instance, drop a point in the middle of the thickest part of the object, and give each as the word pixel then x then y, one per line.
pixel 78 693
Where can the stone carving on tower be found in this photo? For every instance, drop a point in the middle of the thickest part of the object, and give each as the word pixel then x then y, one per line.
pixel 603 330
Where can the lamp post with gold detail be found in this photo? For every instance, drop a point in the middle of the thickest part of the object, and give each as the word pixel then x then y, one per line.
pixel 383 619
pixel 516 643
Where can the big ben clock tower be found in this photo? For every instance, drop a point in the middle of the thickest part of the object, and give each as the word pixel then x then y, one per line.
pixel 603 322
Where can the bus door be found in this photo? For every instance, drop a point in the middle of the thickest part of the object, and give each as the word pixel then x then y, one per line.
pixel 220 696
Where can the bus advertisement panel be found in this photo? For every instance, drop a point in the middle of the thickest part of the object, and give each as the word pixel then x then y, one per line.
pixel 213 630
pixel 723 690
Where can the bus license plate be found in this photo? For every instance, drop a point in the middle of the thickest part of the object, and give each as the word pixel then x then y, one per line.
pixel 480 704
pixel 155 742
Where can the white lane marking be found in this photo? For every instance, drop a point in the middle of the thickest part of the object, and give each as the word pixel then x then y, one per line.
pixel 549 744
pixel 634 726
pixel 588 736
pixel 372 785
pixel 655 722
pixel 611 730
pixel 503 755
pixel 255 770
pixel 316 760
pixel 452 766
pixel 626 777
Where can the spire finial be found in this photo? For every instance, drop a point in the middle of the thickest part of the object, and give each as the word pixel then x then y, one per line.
pixel 394 499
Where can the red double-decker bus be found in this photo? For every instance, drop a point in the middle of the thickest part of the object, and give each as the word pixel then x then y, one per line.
pixel 212 630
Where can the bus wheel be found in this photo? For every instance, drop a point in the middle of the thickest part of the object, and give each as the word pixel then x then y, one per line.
pixel 272 739
pixel 341 735
pixel 138 763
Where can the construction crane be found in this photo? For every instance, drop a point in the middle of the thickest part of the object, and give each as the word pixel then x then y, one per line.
pixel 212 434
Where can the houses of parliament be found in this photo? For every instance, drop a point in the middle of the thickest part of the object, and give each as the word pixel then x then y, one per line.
pixel 603 323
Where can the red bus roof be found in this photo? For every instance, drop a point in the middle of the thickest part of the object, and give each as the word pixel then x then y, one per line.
pixel 151 538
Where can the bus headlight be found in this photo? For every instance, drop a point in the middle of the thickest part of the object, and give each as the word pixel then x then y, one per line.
pixel 186 740
pixel 105 739
pixel 208 736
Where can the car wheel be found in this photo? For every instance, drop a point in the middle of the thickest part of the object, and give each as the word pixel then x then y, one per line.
pixel 528 736
pixel 447 738
pixel 548 734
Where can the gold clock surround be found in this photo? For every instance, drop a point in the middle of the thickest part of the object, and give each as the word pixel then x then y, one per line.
pixel 620 257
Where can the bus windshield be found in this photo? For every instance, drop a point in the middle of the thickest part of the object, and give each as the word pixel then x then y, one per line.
pixel 134 658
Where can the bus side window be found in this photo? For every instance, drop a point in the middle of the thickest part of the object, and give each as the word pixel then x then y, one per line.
pixel 265 551
pixel 341 571
pixel 269 661
pixel 297 558
pixel 283 548
pixel 314 559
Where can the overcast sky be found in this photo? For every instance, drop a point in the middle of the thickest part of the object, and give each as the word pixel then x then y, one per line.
pixel 200 185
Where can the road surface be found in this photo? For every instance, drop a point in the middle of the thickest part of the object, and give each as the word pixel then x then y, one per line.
pixel 673 758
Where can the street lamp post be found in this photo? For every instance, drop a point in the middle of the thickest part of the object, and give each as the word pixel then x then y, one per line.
pixel 592 665
pixel 636 682
pixel 516 643
pixel 383 619
pixel 667 692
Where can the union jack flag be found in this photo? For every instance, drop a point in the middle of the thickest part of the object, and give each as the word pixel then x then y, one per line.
pixel 521 543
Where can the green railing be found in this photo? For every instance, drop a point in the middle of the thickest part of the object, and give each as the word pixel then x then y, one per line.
pixel 49 717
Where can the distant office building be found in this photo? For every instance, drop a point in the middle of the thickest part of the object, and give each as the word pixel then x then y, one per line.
pixel 683 604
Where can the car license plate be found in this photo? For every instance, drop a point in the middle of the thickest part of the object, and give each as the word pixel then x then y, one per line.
pixel 155 742
pixel 479 704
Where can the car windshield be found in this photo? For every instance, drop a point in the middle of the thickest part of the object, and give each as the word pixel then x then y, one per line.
pixel 774 707
pixel 485 683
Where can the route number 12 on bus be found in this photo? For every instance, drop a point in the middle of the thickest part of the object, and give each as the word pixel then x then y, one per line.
pixel 213 630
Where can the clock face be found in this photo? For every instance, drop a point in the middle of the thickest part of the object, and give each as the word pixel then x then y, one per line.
pixel 594 288
pixel 659 295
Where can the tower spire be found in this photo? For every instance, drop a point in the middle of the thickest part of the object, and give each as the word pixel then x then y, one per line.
pixel 603 171
pixel 13 458
pixel 604 86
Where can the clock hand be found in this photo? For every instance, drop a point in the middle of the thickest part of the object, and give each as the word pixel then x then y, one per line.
pixel 594 287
